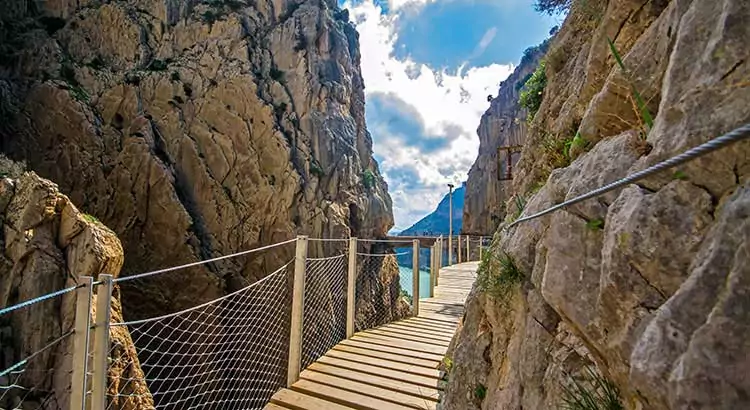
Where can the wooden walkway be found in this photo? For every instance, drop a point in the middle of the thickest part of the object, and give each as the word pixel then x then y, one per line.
pixel 394 366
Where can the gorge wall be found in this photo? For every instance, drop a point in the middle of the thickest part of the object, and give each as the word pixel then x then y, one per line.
pixel 646 286
pixel 47 245
pixel 194 129
pixel 502 125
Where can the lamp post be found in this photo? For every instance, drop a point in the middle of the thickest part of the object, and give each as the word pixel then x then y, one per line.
pixel 450 224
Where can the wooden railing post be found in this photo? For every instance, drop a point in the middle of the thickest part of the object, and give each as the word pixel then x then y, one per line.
pixel 468 250
pixel 415 277
pixel 298 300
pixel 351 286
pixel 481 245
pixel 432 270
pixel 438 259
pixel 459 249
pixel 450 249
pixel 82 325
pixel 101 343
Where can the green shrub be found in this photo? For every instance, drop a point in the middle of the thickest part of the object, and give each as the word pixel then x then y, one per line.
pixel 404 295
pixel 368 179
pixel 90 218
pixel 595 224
pixel 595 392
pixel 552 7
pixel 480 392
pixel 533 90
pixel 498 275
pixel 316 169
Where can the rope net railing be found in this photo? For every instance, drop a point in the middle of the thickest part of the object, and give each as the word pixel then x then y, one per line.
pixel 229 353
pixel 324 311
pixel 380 297
pixel 36 350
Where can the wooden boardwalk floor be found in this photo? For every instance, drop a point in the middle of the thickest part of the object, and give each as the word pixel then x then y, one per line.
pixel 394 366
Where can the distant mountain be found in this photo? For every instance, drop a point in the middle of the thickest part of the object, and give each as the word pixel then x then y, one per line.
pixel 436 223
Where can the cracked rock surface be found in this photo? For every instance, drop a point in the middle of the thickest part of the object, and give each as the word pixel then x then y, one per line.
pixel 648 283
pixel 195 129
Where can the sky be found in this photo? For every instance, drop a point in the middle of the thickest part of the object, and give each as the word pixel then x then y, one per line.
pixel 428 67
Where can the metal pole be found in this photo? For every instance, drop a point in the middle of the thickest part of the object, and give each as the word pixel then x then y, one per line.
pixel 450 224
pixel 298 299
pixel 101 343
pixel 351 287
pixel 81 344
pixel 415 276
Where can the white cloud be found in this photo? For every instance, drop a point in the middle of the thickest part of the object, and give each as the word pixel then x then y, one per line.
pixel 442 99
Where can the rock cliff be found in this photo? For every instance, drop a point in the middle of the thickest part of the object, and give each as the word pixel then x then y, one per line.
pixel 502 125
pixel 642 291
pixel 194 129
pixel 48 245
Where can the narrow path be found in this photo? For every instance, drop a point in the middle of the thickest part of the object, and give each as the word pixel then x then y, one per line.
pixel 394 366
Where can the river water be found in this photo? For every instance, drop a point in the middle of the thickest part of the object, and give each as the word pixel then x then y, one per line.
pixel 406 281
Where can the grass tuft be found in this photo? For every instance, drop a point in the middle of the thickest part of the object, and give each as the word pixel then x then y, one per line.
pixel 595 224
pixel 498 275
pixel 645 114
pixel 595 392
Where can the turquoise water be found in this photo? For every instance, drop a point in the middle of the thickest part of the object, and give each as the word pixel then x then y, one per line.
pixel 406 281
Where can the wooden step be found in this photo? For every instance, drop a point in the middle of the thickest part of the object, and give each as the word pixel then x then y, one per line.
pixel 379 381
pixel 369 390
pixel 386 364
pixel 344 397
pixel 391 349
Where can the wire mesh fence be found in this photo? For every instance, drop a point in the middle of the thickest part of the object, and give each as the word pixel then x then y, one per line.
pixel 36 349
pixel 324 315
pixel 228 353
pixel 379 295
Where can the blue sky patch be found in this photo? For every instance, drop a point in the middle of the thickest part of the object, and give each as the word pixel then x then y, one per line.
pixel 447 34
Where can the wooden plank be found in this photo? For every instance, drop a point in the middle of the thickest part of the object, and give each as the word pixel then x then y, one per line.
pixel 369 390
pixel 344 397
pixel 448 319
pixel 402 344
pixel 389 357
pixel 435 324
pixel 395 350
pixel 406 336
pixel 387 364
pixel 298 401
pixel 379 381
pixel 410 331
pixel 404 328
pixel 379 371
pixel 271 406
pixel 429 325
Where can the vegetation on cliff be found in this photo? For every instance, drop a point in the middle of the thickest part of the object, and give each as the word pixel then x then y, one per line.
pixel 628 283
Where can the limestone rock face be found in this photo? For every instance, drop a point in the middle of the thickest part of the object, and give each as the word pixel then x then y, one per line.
pixel 195 129
pixel 47 246
pixel 502 125
pixel 648 283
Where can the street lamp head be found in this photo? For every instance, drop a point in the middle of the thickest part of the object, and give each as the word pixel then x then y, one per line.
pixel 450 186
